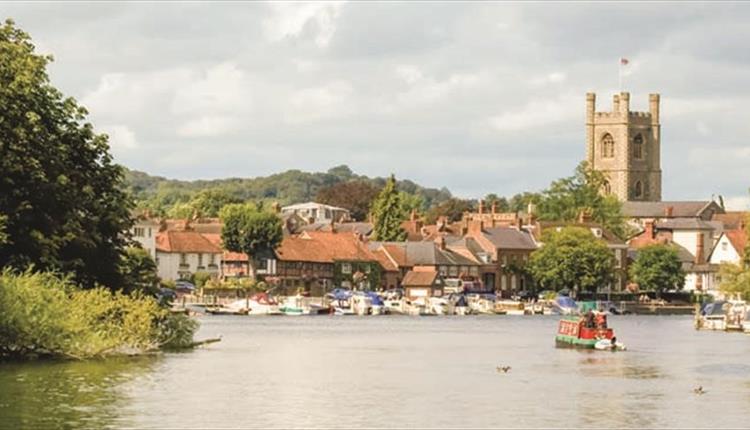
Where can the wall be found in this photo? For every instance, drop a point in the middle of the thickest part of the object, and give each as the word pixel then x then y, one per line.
pixel 168 264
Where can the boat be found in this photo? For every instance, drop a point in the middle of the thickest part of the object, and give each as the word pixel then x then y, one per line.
pixel 341 301
pixel 294 306
pixel 482 303
pixel 437 306
pixel 262 304
pixel 728 315
pixel 457 305
pixel 393 302
pixel 361 304
pixel 564 305
pixel 510 307
pixel 587 331
pixel 417 307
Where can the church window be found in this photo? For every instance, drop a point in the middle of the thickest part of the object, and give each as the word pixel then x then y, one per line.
pixel 607 188
pixel 638 189
pixel 608 146
pixel 638 147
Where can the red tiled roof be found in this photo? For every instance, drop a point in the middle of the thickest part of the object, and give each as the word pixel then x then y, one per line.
pixel 185 241
pixel 384 261
pixel 419 278
pixel 228 255
pixel 738 238
pixel 323 247
pixel 397 253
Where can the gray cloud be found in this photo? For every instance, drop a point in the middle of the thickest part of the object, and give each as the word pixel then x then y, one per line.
pixel 479 97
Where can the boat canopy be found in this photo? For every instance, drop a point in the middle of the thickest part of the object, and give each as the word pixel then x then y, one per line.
pixel 565 302
pixel 714 308
pixel 340 294
pixel 375 298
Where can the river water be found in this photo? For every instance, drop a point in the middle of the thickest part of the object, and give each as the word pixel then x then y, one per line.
pixel 429 372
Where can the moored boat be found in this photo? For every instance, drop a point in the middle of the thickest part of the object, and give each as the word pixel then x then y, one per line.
pixel 587 331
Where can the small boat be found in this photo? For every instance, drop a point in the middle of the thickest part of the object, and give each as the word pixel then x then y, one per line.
pixel 293 306
pixel 587 331
pixel 437 306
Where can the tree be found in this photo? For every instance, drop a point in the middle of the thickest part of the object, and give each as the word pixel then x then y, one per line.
pixel 411 202
pixel 735 280
pixel 388 213
pixel 63 196
pixel 501 203
pixel 139 271
pixel 572 258
pixel 3 233
pixel 520 202
pixel 355 196
pixel 452 208
pixel 250 230
pixel 208 203
pixel 658 268
pixel 566 198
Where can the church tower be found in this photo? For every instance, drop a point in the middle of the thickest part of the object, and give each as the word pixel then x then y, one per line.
pixel 625 145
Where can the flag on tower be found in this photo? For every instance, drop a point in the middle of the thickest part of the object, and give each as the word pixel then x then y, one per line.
pixel 624 61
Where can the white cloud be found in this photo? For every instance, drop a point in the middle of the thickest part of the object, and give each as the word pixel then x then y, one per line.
pixel 424 89
pixel 291 20
pixel 328 101
pixel 208 126
pixel 538 113
pixel 120 137
pixel 737 203
pixel 550 78
pixel 223 87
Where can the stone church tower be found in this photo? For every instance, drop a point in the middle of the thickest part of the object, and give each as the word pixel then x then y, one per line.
pixel 625 146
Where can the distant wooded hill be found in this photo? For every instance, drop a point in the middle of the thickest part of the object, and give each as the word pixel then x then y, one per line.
pixel 292 186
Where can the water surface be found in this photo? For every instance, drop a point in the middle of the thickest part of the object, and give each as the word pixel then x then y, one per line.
pixel 390 371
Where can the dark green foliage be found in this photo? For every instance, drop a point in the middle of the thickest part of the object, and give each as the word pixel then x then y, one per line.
pixel 388 214
pixel 139 271
pixel 159 195
pixel 501 203
pixel 572 258
pixel 566 198
pixel 356 196
pixel 200 278
pixel 658 268
pixel 452 208
pixel 250 230
pixel 60 190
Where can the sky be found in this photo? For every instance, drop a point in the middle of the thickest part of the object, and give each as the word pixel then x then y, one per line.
pixel 477 97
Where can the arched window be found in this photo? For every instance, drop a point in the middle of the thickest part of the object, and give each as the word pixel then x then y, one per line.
pixel 638 147
pixel 608 146
pixel 607 188
pixel 638 189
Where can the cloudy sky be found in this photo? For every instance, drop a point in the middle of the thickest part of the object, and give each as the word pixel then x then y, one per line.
pixel 477 97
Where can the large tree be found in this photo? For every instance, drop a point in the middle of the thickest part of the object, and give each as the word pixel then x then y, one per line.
pixel 388 214
pixel 566 198
pixel 452 208
pixel 355 196
pixel 658 268
pixel 250 230
pixel 139 271
pixel 572 258
pixel 62 194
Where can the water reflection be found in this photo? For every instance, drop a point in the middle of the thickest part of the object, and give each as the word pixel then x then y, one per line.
pixel 66 394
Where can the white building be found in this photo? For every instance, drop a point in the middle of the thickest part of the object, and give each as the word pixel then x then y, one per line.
pixel 182 253
pixel 144 231
pixel 317 212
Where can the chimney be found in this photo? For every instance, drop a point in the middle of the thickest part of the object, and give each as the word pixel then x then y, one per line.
pixel 699 257
pixel 668 211
pixel 650 229
pixel 440 223
pixel 464 227
pixel 440 240
pixel 481 207
pixel 519 223
pixel 584 216
pixel 494 209
pixel 413 215
pixel 476 226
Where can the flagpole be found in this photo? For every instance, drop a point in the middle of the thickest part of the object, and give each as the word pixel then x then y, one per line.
pixel 619 75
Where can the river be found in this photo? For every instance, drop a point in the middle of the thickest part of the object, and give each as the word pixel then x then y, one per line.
pixel 389 371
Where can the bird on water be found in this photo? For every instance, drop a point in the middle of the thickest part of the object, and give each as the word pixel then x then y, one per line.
pixel 699 390
pixel 503 369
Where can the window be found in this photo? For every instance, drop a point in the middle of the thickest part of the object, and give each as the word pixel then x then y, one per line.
pixel 638 147
pixel 200 259
pixel 443 271
pixel 474 271
pixel 724 246
pixel 139 232
pixel 453 271
pixel 346 268
pixel 607 188
pixel 211 258
pixel 183 258
pixel 149 232
pixel 608 146
pixel 638 189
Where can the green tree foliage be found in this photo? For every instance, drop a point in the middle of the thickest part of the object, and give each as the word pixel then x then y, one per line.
pixel 201 278
pixel 566 198
pixel 388 214
pixel 158 194
pixel 520 202
pixel 250 230
pixel 735 280
pixel 44 315
pixel 658 268
pixel 139 271
pixel 357 196
pixel 411 202
pixel 3 233
pixel 572 258
pixel 452 208
pixel 62 193
pixel 502 204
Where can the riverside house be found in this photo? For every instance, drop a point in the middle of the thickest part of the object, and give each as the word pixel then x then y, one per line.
pixel 179 254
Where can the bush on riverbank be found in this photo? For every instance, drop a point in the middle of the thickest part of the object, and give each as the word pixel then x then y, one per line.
pixel 43 315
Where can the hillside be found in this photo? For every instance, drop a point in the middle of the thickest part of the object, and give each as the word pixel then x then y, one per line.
pixel 291 186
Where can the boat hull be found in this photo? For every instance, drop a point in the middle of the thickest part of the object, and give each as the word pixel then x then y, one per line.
pixel 574 342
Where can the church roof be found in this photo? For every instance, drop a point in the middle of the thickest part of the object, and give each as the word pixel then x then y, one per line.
pixel 679 209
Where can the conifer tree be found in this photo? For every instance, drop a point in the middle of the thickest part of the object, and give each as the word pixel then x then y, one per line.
pixel 388 213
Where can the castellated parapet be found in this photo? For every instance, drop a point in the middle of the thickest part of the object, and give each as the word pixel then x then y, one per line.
pixel 625 145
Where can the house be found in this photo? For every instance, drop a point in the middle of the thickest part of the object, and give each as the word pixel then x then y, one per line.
pixel 144 232
pixel 318 261
pixel 317 212
pixel 638 212
pixel 617 246
pixel 422 282
pixel 182 253
pixel 507 249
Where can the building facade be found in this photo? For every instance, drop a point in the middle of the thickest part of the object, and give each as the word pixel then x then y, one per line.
pixel 625 146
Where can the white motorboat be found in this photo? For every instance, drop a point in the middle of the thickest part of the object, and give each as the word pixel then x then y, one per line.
pixel 437 306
